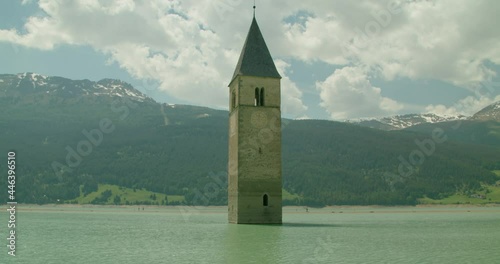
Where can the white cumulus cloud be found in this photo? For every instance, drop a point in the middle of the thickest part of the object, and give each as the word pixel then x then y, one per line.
pixel 348 93
pixel 166 41
pixel 191 47
pixel 291 96
pixel 448 40
pixel 467 106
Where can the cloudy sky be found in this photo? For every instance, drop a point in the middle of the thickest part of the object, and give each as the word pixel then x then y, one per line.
pixel 338 59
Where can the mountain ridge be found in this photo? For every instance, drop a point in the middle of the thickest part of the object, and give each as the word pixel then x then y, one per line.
pixel 117 88
pixel 172 149
pixel 491 112
pixel 37 87
pixel 397 122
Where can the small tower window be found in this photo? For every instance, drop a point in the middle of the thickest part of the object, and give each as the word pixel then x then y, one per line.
pixel 257 97
pixel 233 100
pixel 265 200
pixel 262 96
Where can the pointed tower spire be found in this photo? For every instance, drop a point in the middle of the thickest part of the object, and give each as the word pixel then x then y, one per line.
pixel 254 8
pixel 255 59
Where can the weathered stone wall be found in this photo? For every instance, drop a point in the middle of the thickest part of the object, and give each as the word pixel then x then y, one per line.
pixel 255 152
pixel 233 154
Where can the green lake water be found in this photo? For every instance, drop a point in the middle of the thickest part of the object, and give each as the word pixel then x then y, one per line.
pixel 58 234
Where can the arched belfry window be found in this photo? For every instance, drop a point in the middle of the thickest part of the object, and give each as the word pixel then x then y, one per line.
pixel 262 96
pixel 257 97
pixel 265 200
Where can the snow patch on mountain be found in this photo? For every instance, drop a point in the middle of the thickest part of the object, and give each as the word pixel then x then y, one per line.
pixel 33 83
pixel 497 105
pixel 404 121
pixel 491 112
pixel 205 115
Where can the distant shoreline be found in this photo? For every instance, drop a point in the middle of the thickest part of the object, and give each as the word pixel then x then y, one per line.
pixel 287 206
pixel 337 209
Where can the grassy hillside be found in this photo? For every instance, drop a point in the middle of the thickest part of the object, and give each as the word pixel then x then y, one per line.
pixel 486 194
pixel 127 196
pixel 491 194
pixel 324 162
pixel 130 196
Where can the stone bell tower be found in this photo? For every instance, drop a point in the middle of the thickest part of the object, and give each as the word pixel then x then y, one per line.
pixel 254 168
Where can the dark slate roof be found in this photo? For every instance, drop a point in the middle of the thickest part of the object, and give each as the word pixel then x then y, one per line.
pixel 255 59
